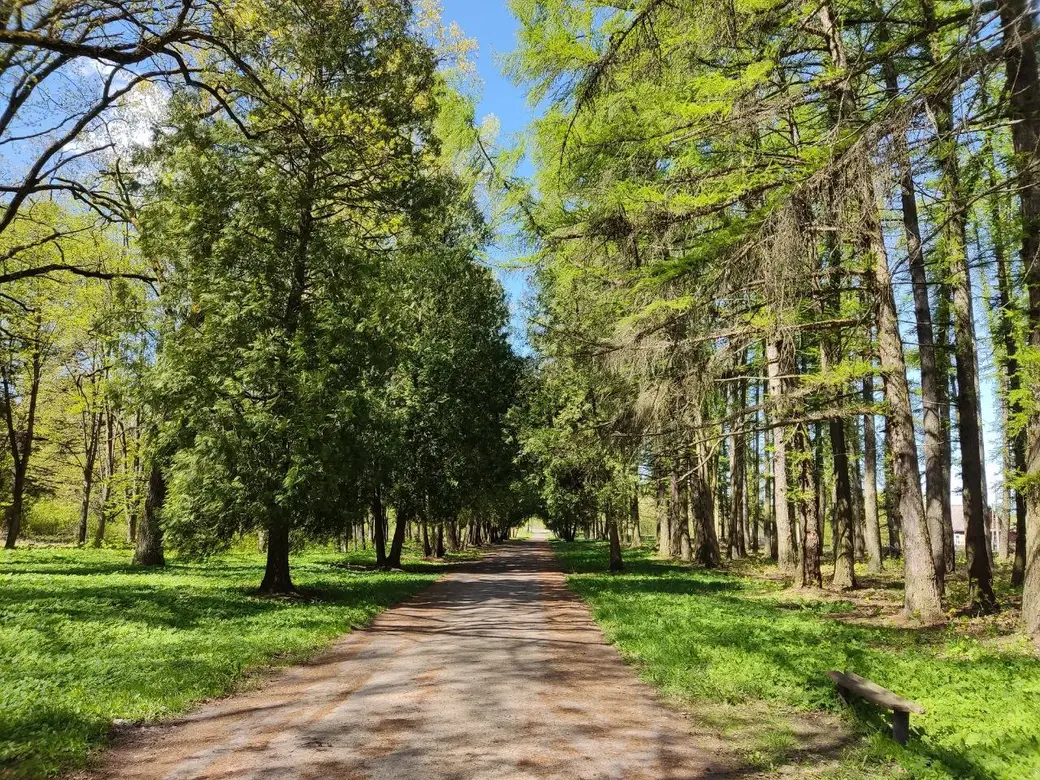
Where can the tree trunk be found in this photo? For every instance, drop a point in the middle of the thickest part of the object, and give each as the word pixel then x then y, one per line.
pixel 980 575
pixel 771 534
pixel 109 477
pixel 921 594
pixel 808 507
pixel 21 447
pixel 664 518
pixel 91 423
pixel 439 553
pixel 942 356
pixel 131 472
pixel 633 513
pixel 1014 444
pixel 892 521
pixel 84 506
pixel 936 493
pixel 1023 84
pixel 276 574
pixel 777 356
pixel 845 549
pixel 616 564
pixel 856 473
pixel 148 551
pixel 15 509
pixel 674 508
pixel 872 527
pixel 705 542
pixel 378 526
pixel 755 502
pixel 737 443
pixel 393 560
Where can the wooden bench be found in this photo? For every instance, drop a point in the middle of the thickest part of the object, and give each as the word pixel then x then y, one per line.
pixel 849 683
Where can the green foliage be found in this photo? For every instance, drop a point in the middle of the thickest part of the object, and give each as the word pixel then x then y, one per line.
pixel 715 637
pixel 86 638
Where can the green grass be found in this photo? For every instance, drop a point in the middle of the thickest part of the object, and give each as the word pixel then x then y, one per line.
pixel 719 638
pixel 86 638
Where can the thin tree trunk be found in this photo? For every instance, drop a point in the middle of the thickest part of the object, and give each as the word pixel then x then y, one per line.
pixel 664 519
pixel 808 507
pixel 735 543
pixel 872 526
pixel 845 549
pixel 942 355
pixel 616 564
pixel 109 476
pixel 393 560
pixel 936 494
pixel 633 516
pixel 378 526
pixel 1014 444
pixel 676 510
pixel 778 366
pixel 921 593
pixel 1023 84
pixel 685 548
pixel 21 447
pixel 91 423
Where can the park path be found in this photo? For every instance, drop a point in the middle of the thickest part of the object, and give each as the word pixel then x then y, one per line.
pixel 496 671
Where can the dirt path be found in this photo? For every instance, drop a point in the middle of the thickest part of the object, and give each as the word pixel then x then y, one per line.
pixel 494 672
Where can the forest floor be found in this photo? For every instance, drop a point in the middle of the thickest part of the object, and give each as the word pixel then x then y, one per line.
pixel 87 640
pixel 746 656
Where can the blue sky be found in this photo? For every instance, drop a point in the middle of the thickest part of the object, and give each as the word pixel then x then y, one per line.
pixel 493 26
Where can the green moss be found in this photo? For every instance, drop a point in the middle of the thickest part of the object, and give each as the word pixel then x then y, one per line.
pixel 710 636
pixel 86 638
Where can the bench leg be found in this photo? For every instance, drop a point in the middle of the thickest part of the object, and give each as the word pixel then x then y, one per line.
pixel 901 727
pixel 843 694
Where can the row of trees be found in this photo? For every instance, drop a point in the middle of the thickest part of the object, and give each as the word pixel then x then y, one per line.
pixel 743 214
pixel 267 311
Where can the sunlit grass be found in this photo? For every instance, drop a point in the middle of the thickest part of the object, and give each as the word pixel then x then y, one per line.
pixel 86 638
pixel 712 637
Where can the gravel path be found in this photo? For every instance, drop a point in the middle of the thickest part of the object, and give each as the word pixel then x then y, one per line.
pixel 496 671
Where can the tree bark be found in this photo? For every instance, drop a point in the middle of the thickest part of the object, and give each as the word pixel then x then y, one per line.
pixel 737 444
pixel 633 516
pixel 21 447
pixel 942 356
pixel 808 507
pixel 148 550
pixel 109 475
pixel 872 526
pixel 277 579
pixel 778 365
pixel 93 441
pixel 664 518
pixel 675 508
pixel 393 560
pixel 1023 84
pixel 845 548
pixel 921 593
pixel 378 526
pixel 936 494
pixel 616 564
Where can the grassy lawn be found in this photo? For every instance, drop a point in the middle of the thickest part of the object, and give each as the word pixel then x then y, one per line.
pixel 85 638
pixel 706 637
